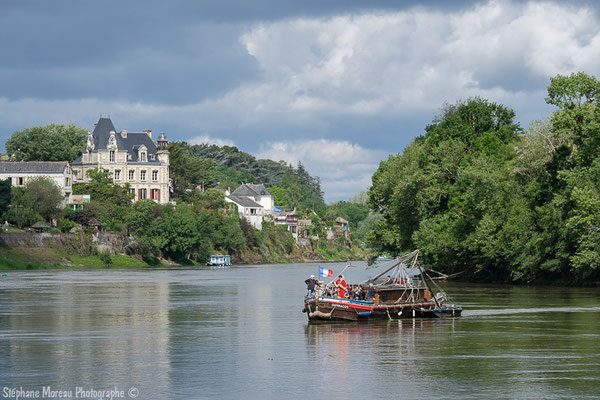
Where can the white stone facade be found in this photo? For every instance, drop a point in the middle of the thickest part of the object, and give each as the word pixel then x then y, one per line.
pixel 131 157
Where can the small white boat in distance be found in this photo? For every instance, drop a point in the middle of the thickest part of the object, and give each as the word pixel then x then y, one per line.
pixel 219 261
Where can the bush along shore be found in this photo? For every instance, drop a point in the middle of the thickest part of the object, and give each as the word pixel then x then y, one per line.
pixel 88 249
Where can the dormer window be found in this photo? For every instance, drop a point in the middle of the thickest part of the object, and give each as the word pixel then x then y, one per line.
pixel 143 156
pixel 111 156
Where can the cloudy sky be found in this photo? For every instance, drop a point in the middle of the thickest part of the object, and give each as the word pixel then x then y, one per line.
pixel 337 85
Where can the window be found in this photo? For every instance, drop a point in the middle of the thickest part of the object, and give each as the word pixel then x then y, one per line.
pixel 155 193
pixel 142 194
pixel 20 181
pixel 111 156
pixel 117 174
pixel 67 182
pixel 154 175
pixel 142 175
pixel 132 191
pixel 131 175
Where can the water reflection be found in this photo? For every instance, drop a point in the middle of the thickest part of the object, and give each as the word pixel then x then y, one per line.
pixel 68 335
pixel 240 333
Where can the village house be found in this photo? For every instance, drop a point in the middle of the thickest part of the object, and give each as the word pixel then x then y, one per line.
pixel 254 202
pixel 21 172
pixel 257 193
pixel 248 209
pixel 288 219
pixel 131 157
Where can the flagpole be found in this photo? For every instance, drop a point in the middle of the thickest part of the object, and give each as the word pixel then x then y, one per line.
pixel 336 275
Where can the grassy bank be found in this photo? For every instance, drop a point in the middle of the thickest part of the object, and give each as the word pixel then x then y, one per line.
pixel 47 258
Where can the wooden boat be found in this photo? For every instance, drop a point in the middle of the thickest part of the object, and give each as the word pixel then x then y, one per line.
pixel 405 298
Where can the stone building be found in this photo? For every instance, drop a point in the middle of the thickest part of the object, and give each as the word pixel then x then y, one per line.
pixel 131 157
pixel 20 172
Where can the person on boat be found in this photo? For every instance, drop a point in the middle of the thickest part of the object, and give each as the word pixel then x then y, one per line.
pixel 359 293
pixel 342 287
pixel 355 292
pixel 371 292
pixel 351 294
pixel 310 286
pixel 389 281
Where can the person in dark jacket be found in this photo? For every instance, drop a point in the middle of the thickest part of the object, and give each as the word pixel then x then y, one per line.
pixel 371 293
pixel 310 286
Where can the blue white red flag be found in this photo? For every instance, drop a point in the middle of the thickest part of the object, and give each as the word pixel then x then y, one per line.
pixel 325 272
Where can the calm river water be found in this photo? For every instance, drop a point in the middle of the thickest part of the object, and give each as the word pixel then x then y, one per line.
pixel 239 333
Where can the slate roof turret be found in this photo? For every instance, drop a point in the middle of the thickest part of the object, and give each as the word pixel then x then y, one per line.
pixel 131 143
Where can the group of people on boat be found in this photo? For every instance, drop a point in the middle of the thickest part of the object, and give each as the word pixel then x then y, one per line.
pixel 404 281
pixel 341 289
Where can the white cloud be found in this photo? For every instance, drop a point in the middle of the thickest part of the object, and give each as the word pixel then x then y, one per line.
pixel 344 168
pixel 205 139
pixel 317 74
pixel 378 64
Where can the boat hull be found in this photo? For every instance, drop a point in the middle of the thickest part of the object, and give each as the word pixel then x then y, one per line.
pixel 332 309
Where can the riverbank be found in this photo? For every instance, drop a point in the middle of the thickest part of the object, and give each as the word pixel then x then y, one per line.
pixel 33 251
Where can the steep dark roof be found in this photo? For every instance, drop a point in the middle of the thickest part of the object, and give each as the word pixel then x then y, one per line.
pixel 244 201
pixel 260 189
pixel 102 133
pixel 33 166
pixel 134 141
pixel 130 143
pixel 251 190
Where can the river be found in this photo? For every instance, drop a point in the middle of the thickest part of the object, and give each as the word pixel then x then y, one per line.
pixel 239 333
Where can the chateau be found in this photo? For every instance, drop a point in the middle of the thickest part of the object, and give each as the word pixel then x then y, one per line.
pixel 131 157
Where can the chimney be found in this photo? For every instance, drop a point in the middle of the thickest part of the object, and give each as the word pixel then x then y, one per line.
pixel 124 134
pixel 149 132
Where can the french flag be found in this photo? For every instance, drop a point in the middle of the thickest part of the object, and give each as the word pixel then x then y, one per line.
pixel 325 272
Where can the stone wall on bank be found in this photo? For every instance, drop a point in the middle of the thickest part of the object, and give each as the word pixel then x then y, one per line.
pixel 115 243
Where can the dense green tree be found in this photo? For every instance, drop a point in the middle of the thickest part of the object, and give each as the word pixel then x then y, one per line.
pixel 576 97
pixel 23 208
pixel 102 188
pixel 180 233
pixel 234 167
pixel 54 142
pixel 39 199
pixel 444 193
pixel 354 213
pixel 480 197
pixel 279 195
pixel 209 200
pixel 5 195
pixel 187 172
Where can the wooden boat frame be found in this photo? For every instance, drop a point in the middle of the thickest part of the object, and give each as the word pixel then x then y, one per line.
pixel 392 301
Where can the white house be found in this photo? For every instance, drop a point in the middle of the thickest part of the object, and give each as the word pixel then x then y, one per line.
pixel 20 172
pixel 248 209
pixel 257 193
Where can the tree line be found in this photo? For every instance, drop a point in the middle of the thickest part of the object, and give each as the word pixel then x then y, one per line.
pixel 486 199
pixel 199 224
